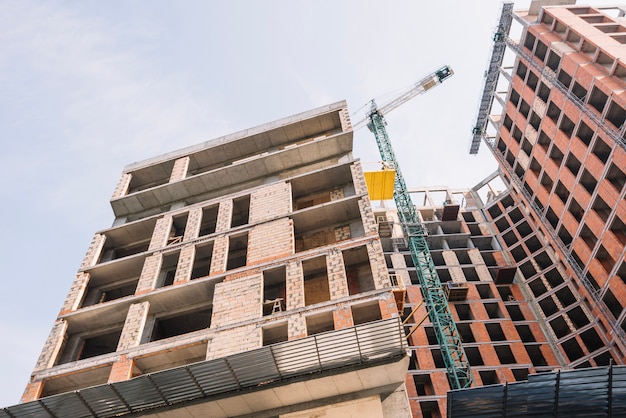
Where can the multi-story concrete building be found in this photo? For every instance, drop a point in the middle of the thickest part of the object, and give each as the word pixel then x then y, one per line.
pixel 241 276
pixel 250 276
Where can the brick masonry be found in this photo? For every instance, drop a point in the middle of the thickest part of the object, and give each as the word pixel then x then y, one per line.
pixel 133 326
pixel 149 274
pixel 179 171
pixel 270 202
pixel 121 370
pixel 360 186
pixel 52 346
pixel 296 327
pixel 93 252
pixel 185 264
pixel 224 216
pixel 193 224
pixel 342 318
pixel 122 186
pixel 234 340
pixel 270 240
pixel 237 300
pixel 218 258
pixel 337 282
pixel 378 264
pixel 295 285
pixel 76 293
pixel 367 215
pixel 161 233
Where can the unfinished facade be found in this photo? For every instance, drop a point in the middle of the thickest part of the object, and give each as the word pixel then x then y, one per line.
pixel 256 254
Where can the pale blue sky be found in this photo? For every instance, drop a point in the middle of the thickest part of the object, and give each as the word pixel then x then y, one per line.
pixel 87 87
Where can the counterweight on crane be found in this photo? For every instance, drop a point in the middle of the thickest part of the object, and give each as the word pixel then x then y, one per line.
pixel 435 301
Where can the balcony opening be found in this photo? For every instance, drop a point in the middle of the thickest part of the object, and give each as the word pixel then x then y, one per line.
pixel 561 191
pixel 578 317
pixel 237 251
pixel 502 224
pixel 493 310
pixel 274 290
pixel 544 92
pixel 525 333
pixel 505 354
pixel 580 92
pixel 537 287
pixel 70 382
pixel 575 209
pixel 588 237
pixel 517 135
pixel 560 327
pixel 464 312
pixel 565 236
pixel 275 333
pixel 149 177
pixel 515 312
pixel 127 240
pixel 529 43
pixel 179 324
pixel 470 274
pixel 601 150
pixel 508 123
pixel 572 349
pixel 605 259
pixel 592 340
pixel 554 112
pixel 209 220
pixel 535 121
pixel 423 385
pixel 540 50
pixel 465 331
pixel 533 244
pixel 524 109
pixel 202 260
pixel 495 332
pixel 110 292
pixel 588 181
pixel 518 253
pixel 430 409
pixel 484 290
pixel 616 177
pixel 565 296
pixel 585 133
pixel 544 140
pixel 168 269
pixel 430 335
pixel 520 374
pixel 572 164
pixel 565 79
pixel 616 115
pixel 368 312
pixel 598 99
pixel 548 306
pixel 316 288
pixel 604 359
pixel 241 211
pixel 528 270
pixel 553 277
pixel 535 355
pixel 619 230
pixel 323 322
pixel 177 231
pixel 358 270
pixel 474 357
pixel 532 81
pixel 567 126
pixel 612 303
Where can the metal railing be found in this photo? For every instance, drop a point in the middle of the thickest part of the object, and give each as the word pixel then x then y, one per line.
pixel 364 344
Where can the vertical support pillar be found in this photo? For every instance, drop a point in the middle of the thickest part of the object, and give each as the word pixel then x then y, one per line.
pixel 122 369
pixel 149 274
pixel 179 171
pixel 133 326
pixel 337 281
pixel 122 187
pixel 161 232
pixel 185 263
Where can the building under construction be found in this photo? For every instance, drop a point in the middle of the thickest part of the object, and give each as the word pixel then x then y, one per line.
pixel 253 275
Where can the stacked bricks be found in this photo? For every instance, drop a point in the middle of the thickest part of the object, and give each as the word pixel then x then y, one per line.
pixel 224 216
pixel 194 221
pixel 161 233
pixel 133 326
pixel 219 256
pixel 185 263
pixel 367 215
pixel 336 194
pixel 93 252
pixel 295 285
pixel 270 241
pixel 122 186
pixel 344 117
pixel 479 264
pixel 270 202
pixel 337 282
pixel 237 300
pixel 52 346
pixel 452 263
pixel 360 186
pixel 296 328
pixel 342 233
pixel 32 392
pixel 378 264
pixel 179 171
pixel 149 274
pixel 234 340
pixel 122 369
pixel 76 293
pixel 342 318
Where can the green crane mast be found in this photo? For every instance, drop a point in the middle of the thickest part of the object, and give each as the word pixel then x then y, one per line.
pixel 435 301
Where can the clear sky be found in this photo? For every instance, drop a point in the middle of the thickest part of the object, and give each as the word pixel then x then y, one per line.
pixel 88 86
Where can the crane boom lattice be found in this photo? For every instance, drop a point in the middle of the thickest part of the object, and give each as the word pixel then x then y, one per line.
pixel 436 303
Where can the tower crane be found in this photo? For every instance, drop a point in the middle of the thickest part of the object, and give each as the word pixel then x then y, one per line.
pixel 435 300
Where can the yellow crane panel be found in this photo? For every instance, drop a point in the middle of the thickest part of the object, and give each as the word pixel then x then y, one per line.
pixel 380 184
